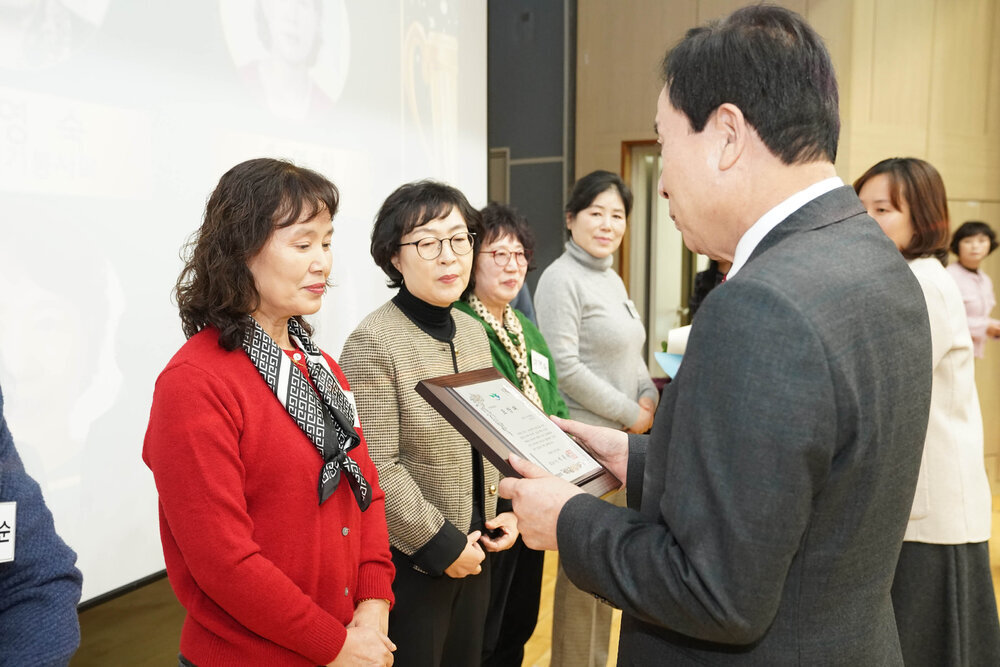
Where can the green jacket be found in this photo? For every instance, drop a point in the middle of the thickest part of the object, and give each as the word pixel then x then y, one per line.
pixel 547 388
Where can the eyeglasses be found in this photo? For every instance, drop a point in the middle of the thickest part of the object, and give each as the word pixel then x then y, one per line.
pixel 502 257
pixel 430 247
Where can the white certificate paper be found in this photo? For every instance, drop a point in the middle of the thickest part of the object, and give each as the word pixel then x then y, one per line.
pixel 535 437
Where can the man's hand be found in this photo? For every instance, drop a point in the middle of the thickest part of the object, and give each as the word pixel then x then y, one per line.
pixel 468 562
pixel 607 445
pixel 538 498
pixel 506 521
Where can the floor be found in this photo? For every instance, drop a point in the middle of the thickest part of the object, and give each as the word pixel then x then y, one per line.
pixel 537 652
pixel 142 628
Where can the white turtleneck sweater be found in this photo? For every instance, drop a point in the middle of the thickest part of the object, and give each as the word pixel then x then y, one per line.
pixel 595 340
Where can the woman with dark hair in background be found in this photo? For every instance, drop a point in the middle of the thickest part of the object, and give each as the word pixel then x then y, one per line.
pixel 504 249
pixel 706 281
pixel 596 338
pixel 441 495
pixel 972 243
pixel 942 593
pixel 271 515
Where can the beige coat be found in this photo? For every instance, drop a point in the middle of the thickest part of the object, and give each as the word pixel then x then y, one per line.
pixel 424 465
pixel 953 503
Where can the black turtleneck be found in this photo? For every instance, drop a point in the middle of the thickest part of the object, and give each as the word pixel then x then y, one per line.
pixel 434 321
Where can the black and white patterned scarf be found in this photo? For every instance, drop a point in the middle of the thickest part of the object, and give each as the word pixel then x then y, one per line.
pixel 328 419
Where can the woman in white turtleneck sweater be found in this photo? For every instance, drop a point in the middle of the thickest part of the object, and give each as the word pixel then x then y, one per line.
pixel 595 337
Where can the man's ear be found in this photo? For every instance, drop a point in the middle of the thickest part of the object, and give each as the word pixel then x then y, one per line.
pixel 733 132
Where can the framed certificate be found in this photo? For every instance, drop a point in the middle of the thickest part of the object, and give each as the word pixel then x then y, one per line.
pixel 497 419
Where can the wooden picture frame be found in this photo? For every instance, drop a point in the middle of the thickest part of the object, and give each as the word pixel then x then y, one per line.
pixel 496 418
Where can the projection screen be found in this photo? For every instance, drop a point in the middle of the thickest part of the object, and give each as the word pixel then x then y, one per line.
pixel 117 118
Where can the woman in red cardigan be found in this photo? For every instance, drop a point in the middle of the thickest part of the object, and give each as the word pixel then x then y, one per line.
pixel 271 515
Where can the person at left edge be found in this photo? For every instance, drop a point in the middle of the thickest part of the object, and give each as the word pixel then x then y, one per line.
pixel 441 495
pixel 504 250
pixel 40 588
pixel 271 515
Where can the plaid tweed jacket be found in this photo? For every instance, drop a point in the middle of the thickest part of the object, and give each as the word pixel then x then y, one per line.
pixel 424 465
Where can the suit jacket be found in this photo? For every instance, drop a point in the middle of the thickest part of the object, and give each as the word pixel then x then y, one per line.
pixel 768 504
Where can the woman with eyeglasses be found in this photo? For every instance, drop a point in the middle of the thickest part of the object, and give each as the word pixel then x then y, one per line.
pixel 596 338
pixel 504 248
pixel 441 500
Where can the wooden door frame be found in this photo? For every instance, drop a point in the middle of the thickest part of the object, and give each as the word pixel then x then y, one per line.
pixel 688 266
pixel 625 250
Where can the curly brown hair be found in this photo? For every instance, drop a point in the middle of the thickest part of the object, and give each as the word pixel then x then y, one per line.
pixel 216 287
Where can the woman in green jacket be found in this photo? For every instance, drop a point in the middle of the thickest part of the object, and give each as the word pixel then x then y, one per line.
pixel 503 252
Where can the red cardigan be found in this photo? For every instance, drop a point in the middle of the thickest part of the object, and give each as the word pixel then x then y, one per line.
pixel 268 576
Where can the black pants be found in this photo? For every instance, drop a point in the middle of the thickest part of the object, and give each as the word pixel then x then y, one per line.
pixel 515 591
pixel 438 621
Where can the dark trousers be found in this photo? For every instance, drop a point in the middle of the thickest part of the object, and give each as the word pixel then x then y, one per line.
pixel 515 591
pixel 945 607
pixel 438 621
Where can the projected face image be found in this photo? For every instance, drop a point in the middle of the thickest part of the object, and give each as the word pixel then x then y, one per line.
pixel 293 55
pixel 40 33
pixel 291 29
pixel 47 323
pixel 58 365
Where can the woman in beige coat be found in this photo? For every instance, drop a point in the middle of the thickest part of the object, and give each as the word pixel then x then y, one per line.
pixel 441 502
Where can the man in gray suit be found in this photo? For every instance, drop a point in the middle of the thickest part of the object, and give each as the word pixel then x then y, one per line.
pixel 768 504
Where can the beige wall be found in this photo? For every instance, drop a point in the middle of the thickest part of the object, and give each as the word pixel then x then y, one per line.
pixel 917 78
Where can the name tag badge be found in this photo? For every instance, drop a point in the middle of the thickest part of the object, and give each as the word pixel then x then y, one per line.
pixel 8 527
pixel 350 399
pixel 630 307
pixel 540 364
